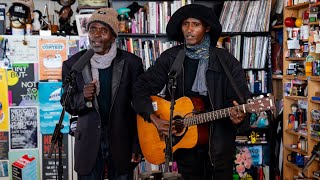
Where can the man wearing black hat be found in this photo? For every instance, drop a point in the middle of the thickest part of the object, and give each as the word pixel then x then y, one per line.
pixel 202 77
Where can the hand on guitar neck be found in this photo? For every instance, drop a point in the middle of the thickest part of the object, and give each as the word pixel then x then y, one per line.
pixel 163 125
pixel 236 115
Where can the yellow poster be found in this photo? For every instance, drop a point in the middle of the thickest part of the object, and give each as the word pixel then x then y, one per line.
pixel 52 52
pixel 4 124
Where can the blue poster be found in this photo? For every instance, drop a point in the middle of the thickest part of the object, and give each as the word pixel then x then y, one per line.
pixel 50 107
pixel 256 154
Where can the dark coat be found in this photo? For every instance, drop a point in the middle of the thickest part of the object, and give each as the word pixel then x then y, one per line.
pixel 220 92
pixel 122 130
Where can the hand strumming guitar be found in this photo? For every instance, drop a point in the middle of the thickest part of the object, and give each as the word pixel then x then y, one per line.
pixel 163 125
pixel 236 116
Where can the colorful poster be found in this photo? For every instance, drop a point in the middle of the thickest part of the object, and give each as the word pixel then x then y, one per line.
pixel 4 145
pixel 256 154
pixel 4 169
pixel 50 107
pixel 49 167
pixel 52 52
pixel 23 127
pixel 22 49
pixel 4 123
pixel 22 84
pixel 73 46
pixel 16 155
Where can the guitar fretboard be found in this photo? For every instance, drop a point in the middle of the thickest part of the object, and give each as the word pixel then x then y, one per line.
pixel 210 116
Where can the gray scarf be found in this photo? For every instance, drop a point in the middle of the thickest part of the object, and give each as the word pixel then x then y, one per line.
pixel 101 62
pixel 201 52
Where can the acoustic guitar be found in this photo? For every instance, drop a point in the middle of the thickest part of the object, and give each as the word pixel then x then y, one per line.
pixel 153 143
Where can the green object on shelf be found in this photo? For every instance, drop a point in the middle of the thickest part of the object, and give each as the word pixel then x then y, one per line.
pixel 124 11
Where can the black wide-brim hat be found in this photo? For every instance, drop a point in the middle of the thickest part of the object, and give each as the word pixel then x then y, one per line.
pixel 196 11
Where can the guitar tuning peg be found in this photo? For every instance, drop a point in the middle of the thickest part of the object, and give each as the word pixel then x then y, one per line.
pixel 249 101
pixel 269 94
pixel 261 96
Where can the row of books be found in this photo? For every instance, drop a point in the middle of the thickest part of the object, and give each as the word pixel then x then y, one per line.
pixel 255 51
pixel 233 45
pixel 154 16
pixel 147 50
pixel 245 16
pixel 145 166
pixel 257 81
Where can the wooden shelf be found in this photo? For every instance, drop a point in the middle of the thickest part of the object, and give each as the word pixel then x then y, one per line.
pixel 290 131
pixel 314 23
pixel 295 150
pixel 315 139
pixel 293 166
pixel 315 78
pixel 314 101
pixel 296 97
pixel 298 6
pixel 295 77
pixel 274 76
pixel 295 59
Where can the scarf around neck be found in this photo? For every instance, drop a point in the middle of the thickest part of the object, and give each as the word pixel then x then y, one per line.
pixel 102 62
pixel 201 52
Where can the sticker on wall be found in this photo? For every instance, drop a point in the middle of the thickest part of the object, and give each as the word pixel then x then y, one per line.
pixel 4 145
pixel 4 123
pixel 4 169
pixel 48 164
pixel 22 85
pixel 23 127
pixel 50 107
pixel 52 52
pixel 20 52
pixel 26 161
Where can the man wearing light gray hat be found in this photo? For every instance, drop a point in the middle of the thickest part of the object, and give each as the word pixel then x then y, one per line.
pixel 106 134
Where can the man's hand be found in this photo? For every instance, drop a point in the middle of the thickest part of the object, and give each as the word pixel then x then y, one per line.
pixel 236 116
pixel 136 157
pixel 89 90
pixel 163 125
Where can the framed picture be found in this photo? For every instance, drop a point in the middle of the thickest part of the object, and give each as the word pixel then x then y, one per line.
pixel 82 20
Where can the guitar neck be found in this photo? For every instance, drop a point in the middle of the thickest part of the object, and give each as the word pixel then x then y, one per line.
pixel 211 116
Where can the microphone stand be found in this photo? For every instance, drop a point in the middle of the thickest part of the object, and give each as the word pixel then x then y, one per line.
pixel 57 135
pixel 172 84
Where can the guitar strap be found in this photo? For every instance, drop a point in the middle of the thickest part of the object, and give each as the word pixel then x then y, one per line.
pixel 235 87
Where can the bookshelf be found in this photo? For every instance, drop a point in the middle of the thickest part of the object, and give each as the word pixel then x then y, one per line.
pixel 252 47
pixel 291 136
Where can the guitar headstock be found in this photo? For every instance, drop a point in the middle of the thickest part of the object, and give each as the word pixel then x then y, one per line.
pixel 260 104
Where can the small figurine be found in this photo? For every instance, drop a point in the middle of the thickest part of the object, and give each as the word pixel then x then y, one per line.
pixel 65 14
pixel 253 137
pixel 36 20
pixel 20 16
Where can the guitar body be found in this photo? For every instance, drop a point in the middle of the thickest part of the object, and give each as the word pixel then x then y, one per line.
pixel 152 144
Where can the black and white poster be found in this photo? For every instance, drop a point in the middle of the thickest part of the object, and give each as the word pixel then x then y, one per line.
pixel 23 127
pixel 49 166
pixel 22 86
pixel 4 145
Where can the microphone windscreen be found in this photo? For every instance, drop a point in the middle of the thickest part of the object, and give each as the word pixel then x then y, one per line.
pixel 83 61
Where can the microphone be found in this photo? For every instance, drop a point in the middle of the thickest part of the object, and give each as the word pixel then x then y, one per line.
pixel 83 61
pixel 177 64
pixel 315 152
